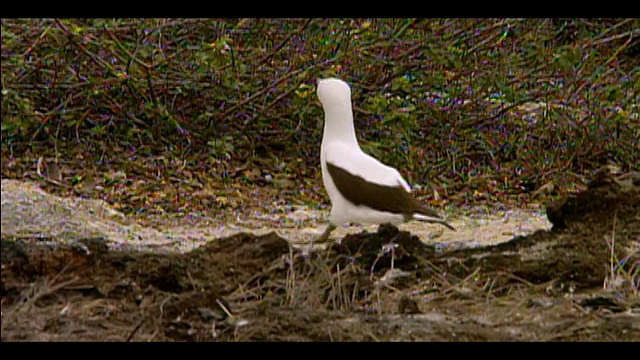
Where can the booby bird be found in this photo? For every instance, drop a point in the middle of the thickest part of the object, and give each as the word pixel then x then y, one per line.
pixel 362 190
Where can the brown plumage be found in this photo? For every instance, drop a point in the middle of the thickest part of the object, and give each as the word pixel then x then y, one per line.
pixel 393 199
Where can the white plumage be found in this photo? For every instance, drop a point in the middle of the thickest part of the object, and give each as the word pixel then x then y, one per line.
pixel 340 149
pixel 351 158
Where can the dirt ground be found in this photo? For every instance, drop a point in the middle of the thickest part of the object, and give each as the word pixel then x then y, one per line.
pixel 578 281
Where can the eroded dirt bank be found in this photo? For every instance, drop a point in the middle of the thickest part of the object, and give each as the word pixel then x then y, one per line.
pixel 578 281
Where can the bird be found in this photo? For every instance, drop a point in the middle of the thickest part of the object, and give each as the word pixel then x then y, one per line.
pixel 361 189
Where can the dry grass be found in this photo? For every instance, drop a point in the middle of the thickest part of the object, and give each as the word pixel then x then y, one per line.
pixel 506 305
pixel 21 313
pixel 623 280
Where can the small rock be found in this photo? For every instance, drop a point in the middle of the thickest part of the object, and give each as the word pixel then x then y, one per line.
pixel 408 306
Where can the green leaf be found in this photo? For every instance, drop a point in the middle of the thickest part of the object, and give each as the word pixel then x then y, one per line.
pixel 613 92
pixel 400 83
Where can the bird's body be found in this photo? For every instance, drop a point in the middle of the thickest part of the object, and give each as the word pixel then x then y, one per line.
pixel 362 189
pixel 344 211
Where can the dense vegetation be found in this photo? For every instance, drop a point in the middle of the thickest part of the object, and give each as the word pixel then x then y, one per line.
pixel 515 102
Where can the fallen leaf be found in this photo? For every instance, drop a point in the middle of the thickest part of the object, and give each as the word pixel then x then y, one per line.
pixel 284 183
pixel 39 166
pixel 116 175
pixel 88 184
pixel 53 172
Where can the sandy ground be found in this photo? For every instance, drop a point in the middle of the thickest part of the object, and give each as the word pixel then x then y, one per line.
pixel 29 211
pixel 479 226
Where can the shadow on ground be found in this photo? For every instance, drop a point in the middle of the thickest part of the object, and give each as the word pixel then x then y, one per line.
pixel 578 281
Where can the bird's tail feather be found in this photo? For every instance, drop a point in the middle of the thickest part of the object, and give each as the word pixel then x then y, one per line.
pixel 432 219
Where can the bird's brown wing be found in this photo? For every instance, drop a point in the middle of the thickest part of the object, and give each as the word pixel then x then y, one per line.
pixel 393 199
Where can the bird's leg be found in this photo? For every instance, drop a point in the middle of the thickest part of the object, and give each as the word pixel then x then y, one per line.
pixel 322 239
pixel 325 235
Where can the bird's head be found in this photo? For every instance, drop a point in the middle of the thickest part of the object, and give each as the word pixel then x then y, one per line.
pixel 333 92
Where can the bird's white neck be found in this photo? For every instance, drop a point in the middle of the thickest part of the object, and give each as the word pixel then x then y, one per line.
pixel 338 125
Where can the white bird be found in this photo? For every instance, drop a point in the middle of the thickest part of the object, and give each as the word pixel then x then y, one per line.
pixel 362 190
